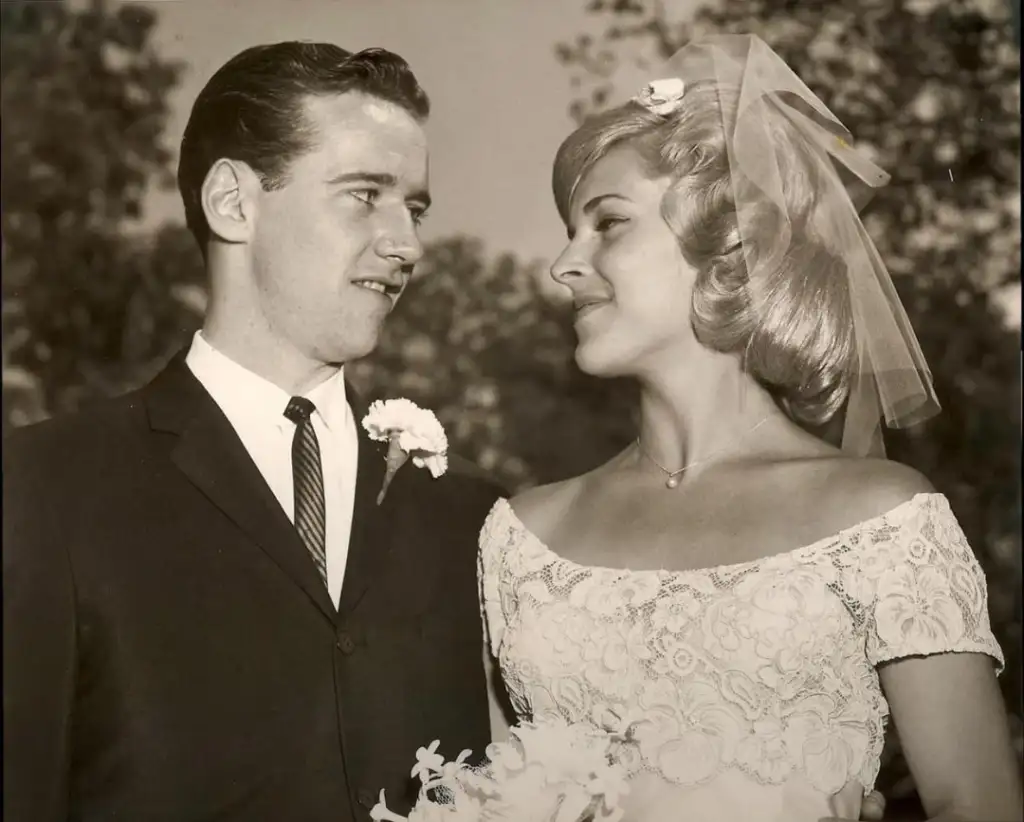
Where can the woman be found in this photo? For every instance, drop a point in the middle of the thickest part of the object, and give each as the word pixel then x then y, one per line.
pixel 744 601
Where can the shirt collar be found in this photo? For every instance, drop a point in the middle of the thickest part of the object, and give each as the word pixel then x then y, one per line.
pixel 331 401
pixel 244 395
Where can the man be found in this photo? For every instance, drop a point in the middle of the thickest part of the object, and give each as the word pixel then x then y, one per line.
pixel 197 625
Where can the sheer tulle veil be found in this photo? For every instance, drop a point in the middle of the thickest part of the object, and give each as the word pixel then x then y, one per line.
pixel 889 379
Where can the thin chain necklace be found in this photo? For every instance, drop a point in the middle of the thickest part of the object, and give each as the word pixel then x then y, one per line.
pixel 674 476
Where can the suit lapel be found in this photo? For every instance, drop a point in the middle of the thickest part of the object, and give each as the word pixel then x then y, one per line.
pixel 370 543
pixel 211 455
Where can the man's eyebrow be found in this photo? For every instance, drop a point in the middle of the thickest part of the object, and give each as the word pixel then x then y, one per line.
pixel 382 180
pixel 363 177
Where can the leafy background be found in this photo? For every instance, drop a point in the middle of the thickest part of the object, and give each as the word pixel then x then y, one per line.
pixel 94 306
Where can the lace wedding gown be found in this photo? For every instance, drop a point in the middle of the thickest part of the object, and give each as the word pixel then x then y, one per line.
pixel 750 688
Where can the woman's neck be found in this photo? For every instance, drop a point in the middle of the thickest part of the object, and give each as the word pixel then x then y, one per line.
pixel 688 415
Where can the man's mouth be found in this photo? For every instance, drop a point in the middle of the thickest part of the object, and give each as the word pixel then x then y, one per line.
pixel 387 289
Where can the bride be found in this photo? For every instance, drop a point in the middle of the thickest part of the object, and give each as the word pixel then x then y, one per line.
pixel 747 602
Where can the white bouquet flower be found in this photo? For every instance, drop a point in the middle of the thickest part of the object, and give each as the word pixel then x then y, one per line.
pixel 546 772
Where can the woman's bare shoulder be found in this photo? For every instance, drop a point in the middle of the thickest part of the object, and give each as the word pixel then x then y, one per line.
pixel 542 507
pixel 857 490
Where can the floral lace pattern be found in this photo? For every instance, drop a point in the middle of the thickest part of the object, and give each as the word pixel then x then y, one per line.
pixel 764 666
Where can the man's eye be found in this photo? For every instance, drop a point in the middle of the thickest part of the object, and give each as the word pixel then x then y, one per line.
pixel 418 215
pixel 366 195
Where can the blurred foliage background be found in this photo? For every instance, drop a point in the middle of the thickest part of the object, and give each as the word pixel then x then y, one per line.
pixel 92 306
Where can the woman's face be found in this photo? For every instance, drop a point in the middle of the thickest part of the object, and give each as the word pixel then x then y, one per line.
pixel 631 286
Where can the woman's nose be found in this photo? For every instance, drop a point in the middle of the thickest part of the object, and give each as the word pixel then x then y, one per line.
pixel 569 265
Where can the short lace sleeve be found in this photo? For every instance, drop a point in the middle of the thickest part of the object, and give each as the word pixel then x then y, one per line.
pixel 921 586
pixel 494 539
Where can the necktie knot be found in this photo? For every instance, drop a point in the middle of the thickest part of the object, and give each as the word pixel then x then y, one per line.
pixel 299 409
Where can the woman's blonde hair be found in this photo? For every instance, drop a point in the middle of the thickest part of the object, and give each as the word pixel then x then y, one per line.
pixel 792 325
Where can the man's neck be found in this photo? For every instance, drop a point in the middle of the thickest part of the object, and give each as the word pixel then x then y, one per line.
pixel 280 365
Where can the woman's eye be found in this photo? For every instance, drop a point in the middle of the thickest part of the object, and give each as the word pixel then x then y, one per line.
pixel 607 223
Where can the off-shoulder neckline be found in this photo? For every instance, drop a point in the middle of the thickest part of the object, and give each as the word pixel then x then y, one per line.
pixel 503 504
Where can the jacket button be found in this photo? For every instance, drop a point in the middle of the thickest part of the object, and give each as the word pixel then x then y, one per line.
pixel 366 798
pixel 346 645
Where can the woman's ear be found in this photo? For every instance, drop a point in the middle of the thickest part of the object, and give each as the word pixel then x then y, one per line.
pixel 229 198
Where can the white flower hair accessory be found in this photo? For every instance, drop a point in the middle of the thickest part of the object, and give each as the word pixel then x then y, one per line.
pixel 410 431
pixel 662 97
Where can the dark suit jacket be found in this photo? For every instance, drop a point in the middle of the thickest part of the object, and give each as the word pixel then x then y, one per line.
pixel 170 652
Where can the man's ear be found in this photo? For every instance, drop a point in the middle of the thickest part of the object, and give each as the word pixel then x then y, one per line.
pixel 229 196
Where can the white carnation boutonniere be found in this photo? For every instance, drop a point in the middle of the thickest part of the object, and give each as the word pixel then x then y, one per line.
pixel 410 431
pixel 662 97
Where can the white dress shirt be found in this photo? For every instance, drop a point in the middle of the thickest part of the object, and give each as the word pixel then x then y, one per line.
pixel 255 408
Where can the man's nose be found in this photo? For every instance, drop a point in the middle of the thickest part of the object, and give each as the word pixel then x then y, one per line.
pixel 401 240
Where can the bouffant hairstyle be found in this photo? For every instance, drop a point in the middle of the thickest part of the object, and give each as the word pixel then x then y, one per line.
pixel 791 324
pixel 252 110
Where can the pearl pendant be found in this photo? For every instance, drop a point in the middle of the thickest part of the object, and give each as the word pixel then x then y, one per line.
pixel 672 482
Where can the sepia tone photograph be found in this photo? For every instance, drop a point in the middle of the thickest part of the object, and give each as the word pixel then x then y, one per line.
pixel 511 410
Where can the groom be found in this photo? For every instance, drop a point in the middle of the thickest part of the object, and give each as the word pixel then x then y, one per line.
pixel 206 613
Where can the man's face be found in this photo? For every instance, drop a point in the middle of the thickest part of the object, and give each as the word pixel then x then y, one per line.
pixel 334 247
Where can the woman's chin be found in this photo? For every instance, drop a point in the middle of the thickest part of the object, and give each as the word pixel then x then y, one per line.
pixel 591 360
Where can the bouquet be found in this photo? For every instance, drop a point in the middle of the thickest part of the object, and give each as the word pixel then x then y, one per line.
pixel 546 772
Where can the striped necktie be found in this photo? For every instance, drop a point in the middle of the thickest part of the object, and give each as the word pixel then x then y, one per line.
pixel 310 516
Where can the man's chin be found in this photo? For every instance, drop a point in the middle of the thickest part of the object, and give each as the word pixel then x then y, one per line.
pixel 355 349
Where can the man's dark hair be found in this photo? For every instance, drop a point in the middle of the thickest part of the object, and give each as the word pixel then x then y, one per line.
pixel 252 110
